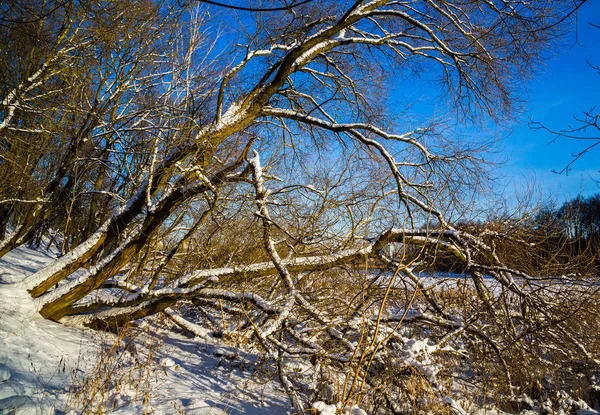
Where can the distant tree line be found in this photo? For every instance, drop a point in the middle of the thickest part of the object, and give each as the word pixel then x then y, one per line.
pixel 578 220
pixel 559 240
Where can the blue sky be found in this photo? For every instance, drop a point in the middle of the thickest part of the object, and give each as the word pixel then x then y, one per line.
pixel 565 87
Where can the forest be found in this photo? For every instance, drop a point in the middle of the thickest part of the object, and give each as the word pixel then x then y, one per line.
pixel 255 173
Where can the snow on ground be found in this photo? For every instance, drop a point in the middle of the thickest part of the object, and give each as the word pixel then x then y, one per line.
pixel 37 357
pixel 43 363
pixel 47 368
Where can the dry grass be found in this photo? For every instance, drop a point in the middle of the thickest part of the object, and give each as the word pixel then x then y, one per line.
pixel 125 372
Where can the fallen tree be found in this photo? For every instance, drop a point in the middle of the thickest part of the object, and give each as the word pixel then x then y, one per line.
pixel 169 208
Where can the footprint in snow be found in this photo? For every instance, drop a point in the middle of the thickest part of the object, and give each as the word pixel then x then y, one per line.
pixel 4 373
pixel 26 405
